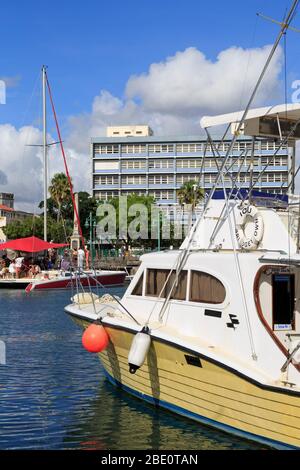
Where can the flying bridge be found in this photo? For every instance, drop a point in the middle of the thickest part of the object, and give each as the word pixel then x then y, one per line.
pixel 277 121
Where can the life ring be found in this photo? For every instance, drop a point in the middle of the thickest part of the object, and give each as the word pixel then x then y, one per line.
pixel 249 242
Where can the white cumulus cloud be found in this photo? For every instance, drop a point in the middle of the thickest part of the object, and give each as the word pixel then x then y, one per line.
pixel 21 170
pixel 190 83
pixel 171 97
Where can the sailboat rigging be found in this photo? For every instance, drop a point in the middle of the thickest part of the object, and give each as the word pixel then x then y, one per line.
pixel 59 278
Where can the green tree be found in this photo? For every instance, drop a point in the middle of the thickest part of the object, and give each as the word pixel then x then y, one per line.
pixel 35 226
pixel 132 199
pixel 148 202
pixel 190 194
pixel 25 228
pixel 87 204
pixel 60 191
pixel 51 208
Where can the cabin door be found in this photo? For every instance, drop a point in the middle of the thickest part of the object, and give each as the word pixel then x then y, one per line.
pixel 283 301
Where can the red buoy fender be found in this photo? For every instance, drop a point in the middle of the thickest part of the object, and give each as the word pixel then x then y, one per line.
pixel 95 339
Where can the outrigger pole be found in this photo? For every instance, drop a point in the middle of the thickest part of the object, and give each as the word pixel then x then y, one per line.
pixel 184 255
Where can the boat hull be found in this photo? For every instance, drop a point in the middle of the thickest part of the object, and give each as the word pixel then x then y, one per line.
pixel 114 279
pixel 12 284
pixel 106 280
pixel 192 386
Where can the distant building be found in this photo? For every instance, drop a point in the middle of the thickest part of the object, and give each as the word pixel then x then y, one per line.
pixel 8 214
pixel 128 131
pixel 7 199
pixel 158 166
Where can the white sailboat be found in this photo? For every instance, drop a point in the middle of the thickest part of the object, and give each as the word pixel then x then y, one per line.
pixel 55 278
pixel 212 331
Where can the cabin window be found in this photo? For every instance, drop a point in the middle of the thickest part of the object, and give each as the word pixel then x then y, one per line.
pixel 179 291
pixel 206 288
pixel 138 288
pixel 158 284
pixel 283 301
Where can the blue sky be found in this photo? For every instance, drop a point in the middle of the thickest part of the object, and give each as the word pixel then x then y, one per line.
pixel 165 63
pixel 95 45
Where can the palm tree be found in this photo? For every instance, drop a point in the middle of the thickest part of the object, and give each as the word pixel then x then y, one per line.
pixel 190 194
pixel 59 190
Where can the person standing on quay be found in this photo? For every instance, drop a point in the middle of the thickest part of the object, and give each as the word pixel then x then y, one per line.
pixel 80 258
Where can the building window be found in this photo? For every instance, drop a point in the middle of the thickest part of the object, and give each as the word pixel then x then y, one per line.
pixel 133 148
pixel 161 164
pixel 105 149
pixel 161 179
pixel 209 179
pixel 134 179
pixel 206 288
pixel 161 148
pixel 133 164
pixel 181 179
pixel 186 163
pixel 106 179
pixel 105 195
pixel 162 195
pixel 189 148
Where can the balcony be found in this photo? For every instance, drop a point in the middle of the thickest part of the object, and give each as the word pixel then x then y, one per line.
pixel 162 170
pixel 141 187
pixel 162 186
pixel 133 171
pixel 106 156
pixel 105 186
pixel 107 172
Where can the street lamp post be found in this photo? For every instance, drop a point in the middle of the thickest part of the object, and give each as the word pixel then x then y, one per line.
pixel 158 232
pixel 94 237
pixel 91 223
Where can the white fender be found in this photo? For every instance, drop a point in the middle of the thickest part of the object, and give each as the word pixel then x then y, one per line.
pixel 139 350
pixel 251 242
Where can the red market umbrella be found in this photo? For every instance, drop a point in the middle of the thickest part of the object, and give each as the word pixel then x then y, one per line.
pixel 30 245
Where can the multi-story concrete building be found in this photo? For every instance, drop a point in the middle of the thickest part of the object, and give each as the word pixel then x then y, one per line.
pixel 158 166
pixel 8 214
pixel 7 199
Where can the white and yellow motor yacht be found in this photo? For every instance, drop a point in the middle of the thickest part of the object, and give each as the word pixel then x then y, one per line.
pixel 224 347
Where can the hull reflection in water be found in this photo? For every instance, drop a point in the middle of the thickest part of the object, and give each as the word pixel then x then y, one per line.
pixel 119 421
pixel 48 403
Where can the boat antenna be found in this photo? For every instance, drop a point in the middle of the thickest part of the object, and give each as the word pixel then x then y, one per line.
pixel 280 23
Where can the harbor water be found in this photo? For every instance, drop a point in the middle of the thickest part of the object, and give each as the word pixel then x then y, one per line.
pixel 54 395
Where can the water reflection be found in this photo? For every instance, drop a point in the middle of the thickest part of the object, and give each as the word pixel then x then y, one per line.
pixel 122 422
pixel 53 394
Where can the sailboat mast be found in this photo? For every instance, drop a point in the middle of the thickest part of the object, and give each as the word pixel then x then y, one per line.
pixel 45 150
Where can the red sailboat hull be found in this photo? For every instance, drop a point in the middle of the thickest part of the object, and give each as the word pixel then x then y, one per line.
pixel 113 279
pixel 105 278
